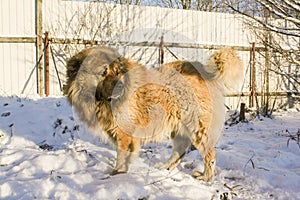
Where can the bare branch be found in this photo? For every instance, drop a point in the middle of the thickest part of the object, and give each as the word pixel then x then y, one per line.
pixel 282 14
pixel 276 29
pixel 293 4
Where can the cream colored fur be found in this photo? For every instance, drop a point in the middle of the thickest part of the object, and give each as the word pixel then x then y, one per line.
pixel 133 105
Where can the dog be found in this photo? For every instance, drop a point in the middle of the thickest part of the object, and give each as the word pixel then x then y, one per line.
pixel 132 105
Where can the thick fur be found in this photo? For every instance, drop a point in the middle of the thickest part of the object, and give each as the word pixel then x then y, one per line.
pixel 132 105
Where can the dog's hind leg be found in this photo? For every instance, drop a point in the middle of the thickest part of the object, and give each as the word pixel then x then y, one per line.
pixel 181 142
pixel 209 160
pixel 127 148
pixel 208 154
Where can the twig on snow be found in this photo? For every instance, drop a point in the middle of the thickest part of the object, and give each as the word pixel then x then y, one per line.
pixel 251 161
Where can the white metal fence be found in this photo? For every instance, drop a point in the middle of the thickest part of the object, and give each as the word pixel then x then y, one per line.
pixel 134 30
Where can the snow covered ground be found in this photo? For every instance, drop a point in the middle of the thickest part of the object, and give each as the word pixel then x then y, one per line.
pixel 46 154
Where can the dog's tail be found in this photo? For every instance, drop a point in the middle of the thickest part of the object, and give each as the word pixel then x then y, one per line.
pixel 227 66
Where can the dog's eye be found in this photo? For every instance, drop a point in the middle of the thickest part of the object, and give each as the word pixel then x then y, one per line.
pixel 104 72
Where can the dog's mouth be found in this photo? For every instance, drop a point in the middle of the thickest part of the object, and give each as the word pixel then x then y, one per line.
pixel 114 94
pixel 102 98
pixel 117 92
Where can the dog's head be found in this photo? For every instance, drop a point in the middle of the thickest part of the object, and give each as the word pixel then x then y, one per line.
pixel 111 85
pixel 98 71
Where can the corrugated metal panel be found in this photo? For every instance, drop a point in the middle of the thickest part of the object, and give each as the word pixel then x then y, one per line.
pixel 17 66
pixel 85 20
pixel 17 69
pixel 119 25
pixel 137 23
pixel 17 17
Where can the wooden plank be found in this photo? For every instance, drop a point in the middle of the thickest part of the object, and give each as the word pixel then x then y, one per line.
pixel 17 39
pixel 151 44
pixel 39 45
pixel 242 112
pixel 252 76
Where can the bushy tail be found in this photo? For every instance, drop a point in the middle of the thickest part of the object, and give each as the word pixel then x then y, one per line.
pixel 229 67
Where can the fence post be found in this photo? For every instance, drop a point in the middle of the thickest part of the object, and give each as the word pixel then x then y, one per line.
pixel 47 75
pixel 267 65
pixel 39 46
pixel 242 112
pixel 252 76
pixel 161 50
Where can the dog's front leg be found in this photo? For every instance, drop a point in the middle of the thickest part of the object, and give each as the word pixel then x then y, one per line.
pixel 127 148
pixel 122 164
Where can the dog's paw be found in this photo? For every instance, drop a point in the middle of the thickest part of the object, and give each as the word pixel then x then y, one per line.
pixel 161 165
pixel 200 176
pixel 167 165
pixel 117 171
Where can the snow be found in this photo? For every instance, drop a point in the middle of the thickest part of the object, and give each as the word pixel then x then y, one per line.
pixel 46 153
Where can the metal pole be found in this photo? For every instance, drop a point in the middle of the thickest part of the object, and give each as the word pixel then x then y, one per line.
pixel 47 75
